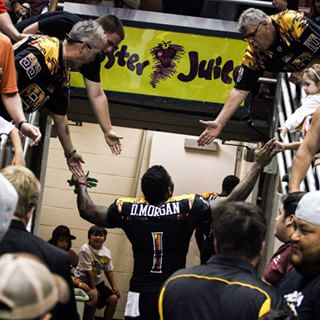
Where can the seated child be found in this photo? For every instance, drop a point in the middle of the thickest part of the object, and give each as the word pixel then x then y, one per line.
pixel 94 259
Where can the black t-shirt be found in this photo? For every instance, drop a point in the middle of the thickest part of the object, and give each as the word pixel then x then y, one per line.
pixel 159 234
pixel 42 76
pixel 225 288
pixel 298 43
pixel 58 24
pixel 302 294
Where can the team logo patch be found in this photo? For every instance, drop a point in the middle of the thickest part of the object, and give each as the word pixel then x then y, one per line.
pixel 33 97
pixel 313 43
pixel 31 65
pixel 294 300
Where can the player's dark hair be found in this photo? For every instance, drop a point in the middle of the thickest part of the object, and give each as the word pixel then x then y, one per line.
pixel 239 229
pixel 229 183
pixel 95 230
pixel 111 24
pixel 155 184
pixel 290 202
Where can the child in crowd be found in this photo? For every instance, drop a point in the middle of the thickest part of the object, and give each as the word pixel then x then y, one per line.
pixel 311 84
pixel 94 259
pixel 62 238
pixel 8 129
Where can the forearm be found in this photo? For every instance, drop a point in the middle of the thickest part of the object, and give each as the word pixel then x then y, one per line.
pixel 90 278
pixel 13 105
pixel 100 104
pixel 8 28
pixel 244 188
pixel 300 167
pixel 111 279
pixel 304 156
pixel 62 127
pixel 100 107
pixel 88 210
pixel 233 102
pixel 16 141
pixel 291 145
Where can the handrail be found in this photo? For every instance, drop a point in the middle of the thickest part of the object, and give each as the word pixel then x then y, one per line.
pixel 31 119
pixel 249 3
pixel 3 145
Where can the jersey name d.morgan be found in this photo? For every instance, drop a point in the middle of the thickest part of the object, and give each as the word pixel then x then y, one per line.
pixel 147 210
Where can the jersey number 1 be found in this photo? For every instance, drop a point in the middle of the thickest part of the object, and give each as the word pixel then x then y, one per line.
pixel 157 252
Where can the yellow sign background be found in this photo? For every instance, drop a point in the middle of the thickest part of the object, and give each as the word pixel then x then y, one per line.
pixel 141 41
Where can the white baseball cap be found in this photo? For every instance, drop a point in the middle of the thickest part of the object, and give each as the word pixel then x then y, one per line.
pixel 308 208
pixel 8 204
pixel 28 289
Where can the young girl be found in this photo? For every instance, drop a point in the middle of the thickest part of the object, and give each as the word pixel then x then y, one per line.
pixel 311 85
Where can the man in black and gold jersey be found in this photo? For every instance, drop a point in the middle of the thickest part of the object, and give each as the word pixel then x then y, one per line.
pixel 159 227
pixel 288 41
pixel 43 65
pixel 227 286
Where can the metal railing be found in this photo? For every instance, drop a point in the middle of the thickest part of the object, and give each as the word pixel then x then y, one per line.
pixel 6 148
pixel 286 101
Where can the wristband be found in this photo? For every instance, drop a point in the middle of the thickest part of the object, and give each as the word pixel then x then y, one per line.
pixel 83 182
pixel 21 123
pixel 69 154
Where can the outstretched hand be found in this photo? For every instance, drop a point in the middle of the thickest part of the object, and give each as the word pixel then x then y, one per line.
pixel 212 131
pixel 265 153
pixel 75 164
pixel 114 142
pixel 31 131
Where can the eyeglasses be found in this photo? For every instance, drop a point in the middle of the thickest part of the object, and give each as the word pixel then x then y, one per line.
pixel 251 36
pixel 111 44
pixel 70 39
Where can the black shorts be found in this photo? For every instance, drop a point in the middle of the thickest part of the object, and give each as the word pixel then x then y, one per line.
pixel 104 293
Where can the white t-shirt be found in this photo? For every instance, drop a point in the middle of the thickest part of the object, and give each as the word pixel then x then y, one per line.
pixel 5 126
pixel 309 105
pixel 96 260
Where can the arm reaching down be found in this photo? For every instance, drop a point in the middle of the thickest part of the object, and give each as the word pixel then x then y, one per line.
pixel 74 160
pixel 100 106
pixel 214 128
pixel 89 211
pixel 263 157
pixel 305 154
pixel 18 157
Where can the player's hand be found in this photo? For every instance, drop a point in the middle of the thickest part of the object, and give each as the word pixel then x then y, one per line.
pixel 114 141
pixel 32 132
pixel 212 131
pixel 74 163
pixel 265 153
